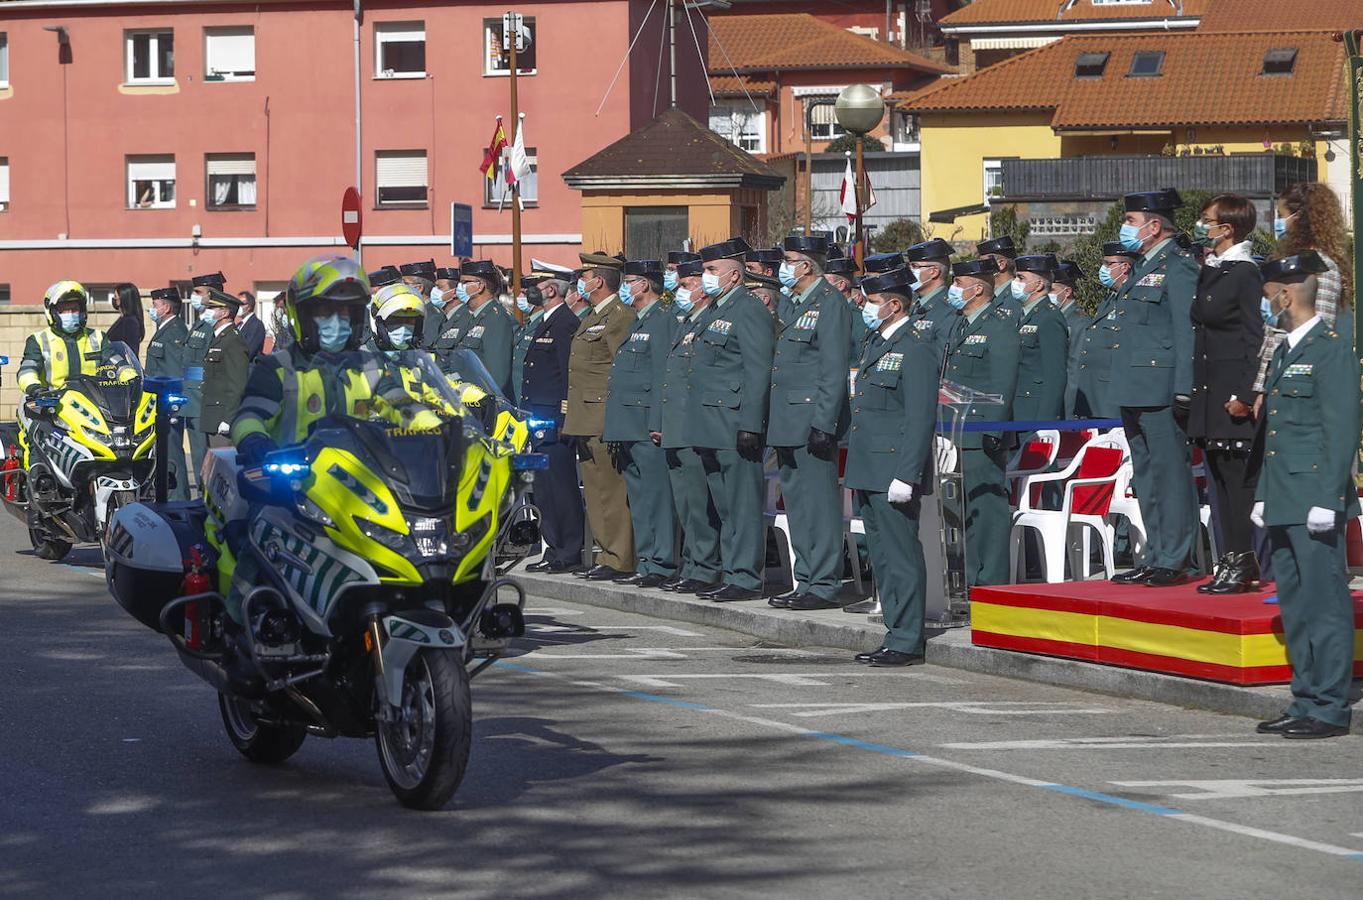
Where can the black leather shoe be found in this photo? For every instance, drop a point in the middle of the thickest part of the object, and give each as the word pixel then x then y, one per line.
pixel 1137 574
pixel 865 658
pixel 702 589
pixel 729 593
pixel 810 602
pixel 648 581
pixel 861 607
pixel 885 658
pixel 566 568
pixel 690 586
pixel 1165 578
pixel 787 596
pixel 1276 726
pixel 671 584
pixel 1223 565
pixel 782 601
pixel 541 566
pixel 1240 576
pixel 605 573
pixel 1309 729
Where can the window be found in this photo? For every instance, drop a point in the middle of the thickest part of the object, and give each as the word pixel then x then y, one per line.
pixel 4 295
pixel 231 180
pixel 150 56
pixel 400 50
pixel 1146 64
pixel 101 295
pixel 904 127
pixel 651 231
pixel 741 125
pixel 495 193
pixel 151 182
pixel 1280 61
pixel 1090 65
pixel 4 59
pixel 497 56
pixel 230 54
pixel 825 122
pixel 993 180
pixel 401 177
pixel 4 183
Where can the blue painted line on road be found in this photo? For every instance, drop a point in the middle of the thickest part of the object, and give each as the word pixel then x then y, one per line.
pixel 84 570
pixel 668 701
pixel 846 741
pixel 1113 800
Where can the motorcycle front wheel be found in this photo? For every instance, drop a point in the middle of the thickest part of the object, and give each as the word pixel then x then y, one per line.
pixel 424 747
pixel 258 742
pixel 43 546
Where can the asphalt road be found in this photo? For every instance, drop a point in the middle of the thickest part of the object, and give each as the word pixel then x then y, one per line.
pixel 622 756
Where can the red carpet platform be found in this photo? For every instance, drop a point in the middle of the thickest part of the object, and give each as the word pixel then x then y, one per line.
pixel 1236 639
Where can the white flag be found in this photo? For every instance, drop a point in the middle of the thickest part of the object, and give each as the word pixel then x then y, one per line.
pixel 848 194
pixel 520 163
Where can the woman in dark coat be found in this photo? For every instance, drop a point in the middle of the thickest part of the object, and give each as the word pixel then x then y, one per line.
pixel 128 327
pixel 1228 330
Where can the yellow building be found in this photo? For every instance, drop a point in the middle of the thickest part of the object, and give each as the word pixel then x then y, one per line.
pixel 1237 111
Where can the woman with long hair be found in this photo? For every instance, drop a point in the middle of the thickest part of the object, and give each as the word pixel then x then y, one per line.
pixel 129 327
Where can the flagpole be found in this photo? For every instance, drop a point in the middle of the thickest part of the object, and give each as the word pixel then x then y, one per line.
pixel 860 251
pixel 512 40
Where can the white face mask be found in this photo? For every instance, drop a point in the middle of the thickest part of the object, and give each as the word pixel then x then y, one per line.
pixel 210 316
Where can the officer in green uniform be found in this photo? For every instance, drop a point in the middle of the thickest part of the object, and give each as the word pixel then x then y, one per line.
pixel 446 321
pixel 933 315
pixel 525 334
pixel 166 358
pixel 1001 251
pixel 841 272
pixel 1152 382
pixel 763 260
pixel 196 348
pixel 1067 278
pixel 489 331
pixel 225 364
pixel 808 416
pixel 1088 383
pixel 731 376
pixel 671 278
pixel 700 564
pixel 634 420
pixel 1307 443
pixel 1043 343
pixel 982 353
pixel 889 459
pixel 880 263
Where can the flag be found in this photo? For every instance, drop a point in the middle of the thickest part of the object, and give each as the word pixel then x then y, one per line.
pixel 848 194
pixel 519 162
pixel 492 159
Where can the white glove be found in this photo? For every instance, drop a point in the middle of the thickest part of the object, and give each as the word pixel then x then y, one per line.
pixel 900 491
pixel 1256 515
pixel 224 429
pixel 1319 521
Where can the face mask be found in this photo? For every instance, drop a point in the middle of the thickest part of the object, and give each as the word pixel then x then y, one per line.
pixel 461 293
pixel 787 274
pixel 155 316
pixel 1018 288
pixel 1055 301
pixel 333 332
pixel 70 322
pixel 1202 234
pixel 1280 226
pixel 670 280
pixel 956 297
pixel 626 293
pixel 918 274
pixel 524 305
pixel 709 283
pixel 1266 310
pixel 870 314
pixel 1105 277
pixel 196 301
pixel 582 288
pixel 401 336
pixel 438 298
pixel 785 291
pixel 210 316
pixel 1129 235
pixel 683 299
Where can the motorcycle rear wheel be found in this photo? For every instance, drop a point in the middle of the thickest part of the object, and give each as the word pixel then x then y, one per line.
pixel 43 546
pixel 425 752
pixel 264 744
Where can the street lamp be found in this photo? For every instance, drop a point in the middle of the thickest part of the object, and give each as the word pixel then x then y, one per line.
pixel 859 109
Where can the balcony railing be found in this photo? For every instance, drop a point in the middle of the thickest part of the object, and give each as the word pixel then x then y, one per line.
pixel 1109 177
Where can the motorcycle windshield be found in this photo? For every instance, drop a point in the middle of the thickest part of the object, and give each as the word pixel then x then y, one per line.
pixel 465 388
pixel 116 385
pixel 420 466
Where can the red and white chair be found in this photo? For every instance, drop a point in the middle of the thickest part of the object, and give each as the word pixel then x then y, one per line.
pixel 1035 455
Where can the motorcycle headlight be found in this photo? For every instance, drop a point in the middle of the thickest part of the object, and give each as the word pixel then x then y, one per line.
pixel 312 512
pixel 431 536
pixel 393 540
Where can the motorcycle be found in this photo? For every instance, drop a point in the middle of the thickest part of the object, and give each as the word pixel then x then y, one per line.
pixel 370 561
pixel 79 453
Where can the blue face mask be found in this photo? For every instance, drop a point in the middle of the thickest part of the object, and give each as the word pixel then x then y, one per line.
pixel 1018 289
pixel 582 288
pixel 461 293
pixel 196 301
pixel 1129 235
pixel 210 316
pixel 870 314
pixel 1105 277
pixel 524 305
pixel 70 322
pixel 683 300
pixel 626 293
pixel 1266 310
pixel 956 297
pixel 670 280
pixel 438 298
pixel 155 316
pixel 333 333
pixel 1280 226
pixel 787 274
pixel 401 337
pixel 709 283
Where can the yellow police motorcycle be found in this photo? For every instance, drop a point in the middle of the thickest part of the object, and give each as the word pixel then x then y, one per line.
pixel 79 454
pixel 369 565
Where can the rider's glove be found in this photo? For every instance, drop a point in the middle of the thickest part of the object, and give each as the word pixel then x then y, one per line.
pixel 254 447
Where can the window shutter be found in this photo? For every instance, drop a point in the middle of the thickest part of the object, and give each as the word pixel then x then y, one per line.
pixel 401 169
pixel 232 51
pixel 414 31
pixel 151 168
pixel 824 115
pixel 235 164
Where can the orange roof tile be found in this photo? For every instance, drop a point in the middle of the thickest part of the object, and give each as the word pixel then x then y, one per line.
pixel 793 41
pixel 1208 79
pixel 736 85
pixel 991 12
pixel 1277 15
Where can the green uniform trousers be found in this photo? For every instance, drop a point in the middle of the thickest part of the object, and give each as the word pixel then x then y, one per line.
pixel 175 459
pixel 988 518
pixel 1318 619
pixel 900 572
pixel 697 515
pixel 736 490
pixel 813 500
pixel 1162 476
pixel 603 489
pixel 198 448
pixel 650 508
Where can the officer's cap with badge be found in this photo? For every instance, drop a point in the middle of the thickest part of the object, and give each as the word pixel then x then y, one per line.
pixel 1043 264
pixel 167 294
pixel 215 280
pixel 445 273
pixel 806 244
pixel 1068 273
pixel 1000 246
pixel 384 277
pixel 878 263
pixel 983 269
pixel 896 281
pixel 485 269
pixel 424 270
pixel 840 265
pixel 767 256
pixel 677 257
pixel 600 260
pixel 1163 201
pixel 1292 269
pixel 734 248
pixel 1117 248
pixel 644 267
pixel 691 267
pixel 935 250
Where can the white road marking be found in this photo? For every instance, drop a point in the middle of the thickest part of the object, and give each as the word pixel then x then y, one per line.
pixel 628 653
pixel 969 707
pixel 1233 789
pixel 579 629
pixel 552 611
pixel 1113 743
pixel 802 679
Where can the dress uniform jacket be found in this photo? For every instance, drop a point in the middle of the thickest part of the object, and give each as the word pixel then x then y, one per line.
pixel 1153 359
pixel 252 335
pixel 196 346
pixel 857 331
pixel 809 367
pixel 1228 330
pixel 677 398
pixel 731 371
pixel 1089 373
pixel 1043 351
pixel 490 333
pixel 1003 297
pixel 543 393
pixel 1075 317
pixel 225 366
pixel 525 335
pixel 933 318
pixel 983 355
pixel 442 333
pixel 166 358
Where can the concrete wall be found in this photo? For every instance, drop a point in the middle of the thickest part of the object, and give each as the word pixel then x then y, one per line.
pixel 16 324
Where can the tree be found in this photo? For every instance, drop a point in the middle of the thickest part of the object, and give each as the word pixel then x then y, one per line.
pixel 897 235
pixel 848 143
pixel 1004 220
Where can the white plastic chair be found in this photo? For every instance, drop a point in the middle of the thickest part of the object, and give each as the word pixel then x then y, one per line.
pixel 1090 482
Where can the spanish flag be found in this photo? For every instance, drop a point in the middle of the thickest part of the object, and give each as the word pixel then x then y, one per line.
pixel 492 159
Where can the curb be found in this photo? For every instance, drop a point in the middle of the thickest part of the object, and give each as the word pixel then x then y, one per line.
pixel 951 647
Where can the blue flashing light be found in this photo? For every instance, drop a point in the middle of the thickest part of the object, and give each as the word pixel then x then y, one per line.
pixel 530 462
pixel 4 360
pixel 176 399
pixel 286 469
pixel 48 402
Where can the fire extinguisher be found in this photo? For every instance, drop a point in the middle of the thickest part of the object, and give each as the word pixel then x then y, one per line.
pixel 196 581
pixel 10 468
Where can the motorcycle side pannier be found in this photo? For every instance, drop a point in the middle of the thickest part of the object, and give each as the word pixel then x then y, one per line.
pixel 148 551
